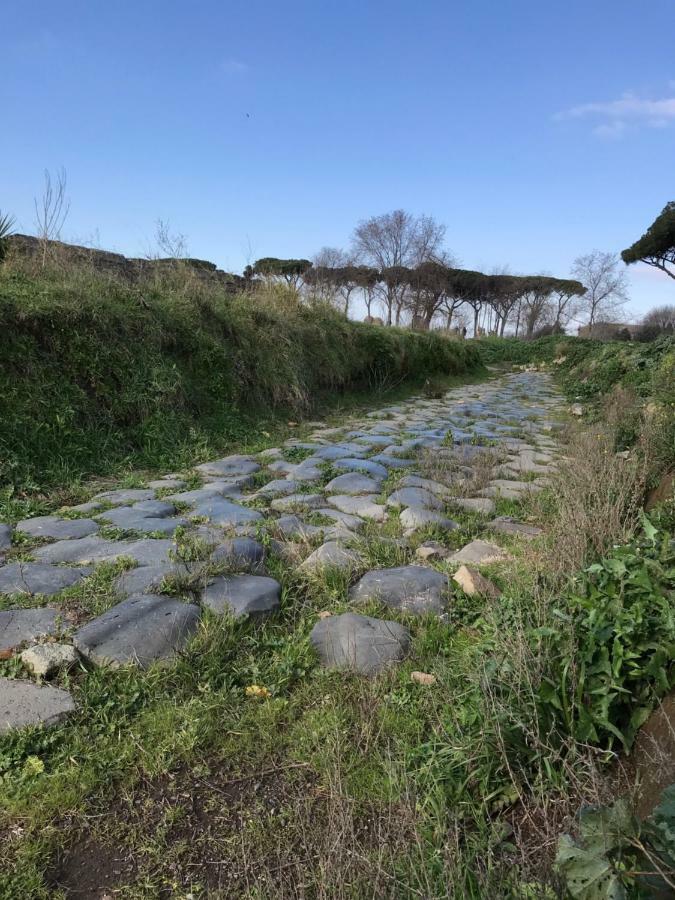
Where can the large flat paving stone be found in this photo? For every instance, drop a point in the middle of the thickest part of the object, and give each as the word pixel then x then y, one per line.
pixel 141 630
pixel 359 643
pixel 243 553
pixel 93 549
pixel 377 470
pixel 414 517
pixel 479 553
pixel 229 465
pixel 354 483
pixel 142 579
pixel 414 496
pixel 243 595
pixel 19 626
pixel 413 589
pixel 37 578
pixel 223 512
pixel 483 505
pixel 297 501
pixel 24 704
pixel 331 555
pixel 365 507
pixel 57 528
pixel 133 519
pixel 293 526
pixel 414 481
pixel 124 496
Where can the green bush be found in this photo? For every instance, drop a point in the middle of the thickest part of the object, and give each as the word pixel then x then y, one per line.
pixel 613 654
pixel 95 374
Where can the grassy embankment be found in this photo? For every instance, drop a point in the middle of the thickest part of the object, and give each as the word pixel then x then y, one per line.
pixel 98 379
pixel 177 781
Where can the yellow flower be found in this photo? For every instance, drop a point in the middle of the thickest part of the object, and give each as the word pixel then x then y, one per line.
pixel 255 690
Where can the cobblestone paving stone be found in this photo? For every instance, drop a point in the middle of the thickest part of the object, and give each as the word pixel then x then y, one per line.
pixel 321 497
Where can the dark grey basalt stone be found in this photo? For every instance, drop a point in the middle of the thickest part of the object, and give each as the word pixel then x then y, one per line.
pixel 18 626
pixel 413 589
pixel 24 704
pixel 58 528
pixel 141 630
pixel 359 643
pixel 38 578
pixel 243 595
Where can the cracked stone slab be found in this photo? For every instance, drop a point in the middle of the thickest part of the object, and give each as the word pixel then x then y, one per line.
pixel 38 578
pixel 56 527
pixel 364 506
pixel 359 643
pixel 331 555
pixel 354 483
pixel 480 553
pixel 243 595
pixel 143 629
pixel 414 496
pixel 19 626
pixel 414 589
pixel 229 465
pixel 24 704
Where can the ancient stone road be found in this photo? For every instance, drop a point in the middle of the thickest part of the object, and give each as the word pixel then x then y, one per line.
pixel 416 462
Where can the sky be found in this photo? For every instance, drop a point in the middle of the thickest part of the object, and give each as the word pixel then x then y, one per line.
pixel 534 131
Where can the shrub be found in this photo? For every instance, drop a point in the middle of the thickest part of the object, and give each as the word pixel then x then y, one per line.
pixel 612 656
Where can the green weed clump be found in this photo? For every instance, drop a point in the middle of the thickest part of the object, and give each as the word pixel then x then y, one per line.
pixel 612 655
pixel 97 375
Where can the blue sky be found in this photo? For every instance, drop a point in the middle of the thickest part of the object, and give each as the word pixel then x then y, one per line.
pixel 534 131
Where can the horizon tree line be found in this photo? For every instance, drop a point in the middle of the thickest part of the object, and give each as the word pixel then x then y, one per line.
pixel 398 264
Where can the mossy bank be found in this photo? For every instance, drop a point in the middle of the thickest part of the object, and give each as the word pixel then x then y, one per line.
pixel 95 375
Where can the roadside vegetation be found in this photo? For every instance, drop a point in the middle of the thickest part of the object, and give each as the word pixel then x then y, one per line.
pixel 99 377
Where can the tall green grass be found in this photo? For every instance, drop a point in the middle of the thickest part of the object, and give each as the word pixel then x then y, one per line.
pixel 94 373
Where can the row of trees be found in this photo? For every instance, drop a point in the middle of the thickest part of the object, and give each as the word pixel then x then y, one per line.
pixel 398 265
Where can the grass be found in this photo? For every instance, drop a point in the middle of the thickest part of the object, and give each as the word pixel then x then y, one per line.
pixel 180 782
pixel 98 377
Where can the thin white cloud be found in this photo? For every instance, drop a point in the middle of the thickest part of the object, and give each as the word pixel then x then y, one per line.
pixel 233 67
pixel 615 117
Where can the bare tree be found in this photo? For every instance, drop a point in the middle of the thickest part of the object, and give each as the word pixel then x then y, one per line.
pixel 605 283
pixel 393 241
pixel 51 210
pixel 170 244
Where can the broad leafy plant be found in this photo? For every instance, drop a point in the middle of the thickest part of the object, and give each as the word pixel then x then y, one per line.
pixel 616 856
pixel 613 652
pixel 6 229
